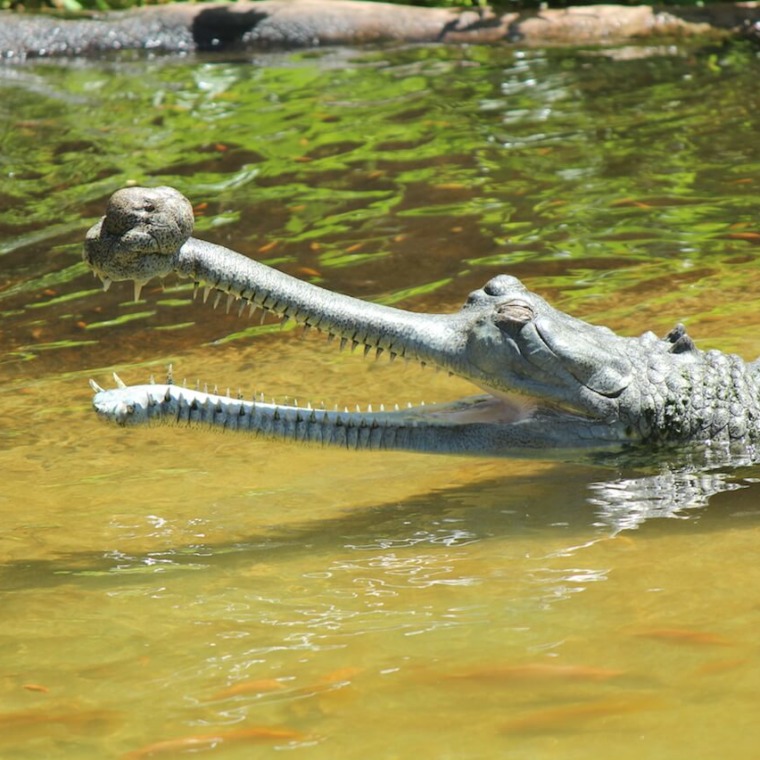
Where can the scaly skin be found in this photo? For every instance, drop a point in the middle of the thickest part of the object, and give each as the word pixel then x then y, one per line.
pixel 582 385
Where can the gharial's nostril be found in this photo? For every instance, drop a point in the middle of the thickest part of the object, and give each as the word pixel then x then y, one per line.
pixel 515 313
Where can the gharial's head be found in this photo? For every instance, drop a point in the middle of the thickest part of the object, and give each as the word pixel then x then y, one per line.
pixel 516 341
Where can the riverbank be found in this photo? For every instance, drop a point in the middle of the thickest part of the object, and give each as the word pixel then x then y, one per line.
pixel 243 26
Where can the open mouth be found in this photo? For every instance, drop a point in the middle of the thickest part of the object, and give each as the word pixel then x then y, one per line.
pixel 494 341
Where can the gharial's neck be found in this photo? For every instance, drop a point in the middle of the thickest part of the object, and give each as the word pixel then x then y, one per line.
pixel 708 396
pixel 429 338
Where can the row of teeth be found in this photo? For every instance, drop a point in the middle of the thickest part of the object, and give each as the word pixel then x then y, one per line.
pixel 284 319
pixel 257 398
pixel 106 281
pixel 252 307
pixel 231 297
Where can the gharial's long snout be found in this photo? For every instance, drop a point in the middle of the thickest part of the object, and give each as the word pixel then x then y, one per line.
pixel 578 384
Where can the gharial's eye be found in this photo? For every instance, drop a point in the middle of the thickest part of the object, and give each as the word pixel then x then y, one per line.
pixel 502 285
pixel 512 315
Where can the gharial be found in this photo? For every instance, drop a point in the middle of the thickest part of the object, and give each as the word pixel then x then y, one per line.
pixel 551 381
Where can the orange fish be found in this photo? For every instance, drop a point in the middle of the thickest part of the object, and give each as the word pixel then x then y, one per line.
pixel 200 742
pixel 83 721
pixel 308 272
pixel 573 716
pixel 716 667
pixel 630 202
pixel 341 674
pixel 257 686
pixel 264 685
pixel 538 671
pixel 36 687
pixel 685 636
pixel 268 246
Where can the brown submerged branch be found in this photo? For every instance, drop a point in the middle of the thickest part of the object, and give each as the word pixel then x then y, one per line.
pixel 244 26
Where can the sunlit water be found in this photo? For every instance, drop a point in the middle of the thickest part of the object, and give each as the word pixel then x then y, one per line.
pixel 166 592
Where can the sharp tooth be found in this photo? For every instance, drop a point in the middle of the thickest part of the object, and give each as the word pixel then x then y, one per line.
pixel 119 382
pixel 242 308
pixel 106 283
pixel 206 290
pixel 251 309
pixel 217 299
pixel 195 290
pixel 138 288
pixel 367 349
pixel 96 387
pixel 230 301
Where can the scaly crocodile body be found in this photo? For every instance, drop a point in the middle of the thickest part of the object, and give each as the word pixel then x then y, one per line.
pixel 551 381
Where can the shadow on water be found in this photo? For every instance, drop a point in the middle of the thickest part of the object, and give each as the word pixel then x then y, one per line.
pixel 593 507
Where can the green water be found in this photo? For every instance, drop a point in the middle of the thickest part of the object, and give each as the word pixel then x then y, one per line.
pixel 168 594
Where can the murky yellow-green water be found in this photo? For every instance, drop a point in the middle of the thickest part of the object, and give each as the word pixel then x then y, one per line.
pixel 167 593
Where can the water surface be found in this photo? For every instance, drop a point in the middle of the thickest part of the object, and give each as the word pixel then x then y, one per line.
pixel 167 592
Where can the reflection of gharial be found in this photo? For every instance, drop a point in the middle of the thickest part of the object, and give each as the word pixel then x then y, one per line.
pixel 551 381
